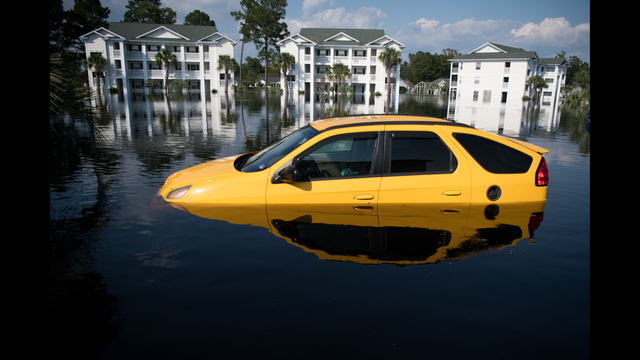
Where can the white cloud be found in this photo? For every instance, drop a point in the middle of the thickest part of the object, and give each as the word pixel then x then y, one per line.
pixel 548 37
pixel 552 31
pixel 362 18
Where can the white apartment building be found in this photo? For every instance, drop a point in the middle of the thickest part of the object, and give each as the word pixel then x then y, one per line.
pixel 131 48
pixel 317 48
pixel 498 74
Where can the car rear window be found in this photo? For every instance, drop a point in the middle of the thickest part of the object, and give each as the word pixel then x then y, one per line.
pixel 419 152
pixel 493 156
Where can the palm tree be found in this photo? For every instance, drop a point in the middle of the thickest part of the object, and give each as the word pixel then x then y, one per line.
pixel 152 84
pixel 178 85
pixel 282 62
pixel 97 62
pixel 389 58
pixel 226 63
pixel 538 83
pixel 340 72
pixel 164 58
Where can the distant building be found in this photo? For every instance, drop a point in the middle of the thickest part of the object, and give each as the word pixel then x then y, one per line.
pixel 131 48
pixel 495 73
pixel 316 48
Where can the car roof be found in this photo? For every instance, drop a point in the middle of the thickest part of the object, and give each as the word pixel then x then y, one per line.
pixel 361 120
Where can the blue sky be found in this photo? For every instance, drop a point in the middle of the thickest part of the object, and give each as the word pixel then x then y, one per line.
pixel 546 26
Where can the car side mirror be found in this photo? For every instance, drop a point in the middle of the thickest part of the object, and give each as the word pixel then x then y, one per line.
pixel 288 175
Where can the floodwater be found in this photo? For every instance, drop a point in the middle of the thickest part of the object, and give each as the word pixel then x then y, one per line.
pixel 132 277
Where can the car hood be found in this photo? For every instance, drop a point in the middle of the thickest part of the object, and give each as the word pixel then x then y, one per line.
pixel 210 170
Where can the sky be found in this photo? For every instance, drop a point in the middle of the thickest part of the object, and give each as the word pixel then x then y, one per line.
pixel 545 26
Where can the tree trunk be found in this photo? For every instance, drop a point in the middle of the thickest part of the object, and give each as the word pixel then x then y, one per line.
pixel 241 60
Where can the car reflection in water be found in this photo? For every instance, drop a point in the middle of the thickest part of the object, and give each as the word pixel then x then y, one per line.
pixel 416 234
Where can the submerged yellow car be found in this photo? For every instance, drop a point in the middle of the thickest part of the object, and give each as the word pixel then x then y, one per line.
pixel 370 162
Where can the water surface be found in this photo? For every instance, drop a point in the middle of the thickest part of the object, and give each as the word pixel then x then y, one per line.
pixel 132 277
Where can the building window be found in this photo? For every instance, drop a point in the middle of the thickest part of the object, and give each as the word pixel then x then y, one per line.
pixel 193 67
pixel 505 79
pixel 154 48
pixel 507 64
pixel 476 80
pixel 307 51
pixel 475 96
pixel 358 70
pixel 322 52
pixel 192 49
pixel 359 53
pixel 504 97
pixel 478 65
pixel 135 48
pixel 176 49
pixel 341 52
pixel 486 96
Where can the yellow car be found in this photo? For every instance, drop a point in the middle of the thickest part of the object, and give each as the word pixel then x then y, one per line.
pixel 368 163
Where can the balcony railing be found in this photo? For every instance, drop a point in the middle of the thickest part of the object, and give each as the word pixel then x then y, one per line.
pixel 341 59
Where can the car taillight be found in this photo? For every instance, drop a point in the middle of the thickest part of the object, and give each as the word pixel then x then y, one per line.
pixel 542 175
pixel 534 222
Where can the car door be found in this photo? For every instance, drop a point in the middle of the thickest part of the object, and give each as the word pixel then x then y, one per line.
pixel 420 166
pixel 341 171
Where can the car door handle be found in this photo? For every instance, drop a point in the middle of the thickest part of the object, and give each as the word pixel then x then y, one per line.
pixel 364 197
pixel 363 209
pixel 452 193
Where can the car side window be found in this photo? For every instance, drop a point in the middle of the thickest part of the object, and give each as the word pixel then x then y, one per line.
pixel 338 157
pixel 418 152
pixel 493 156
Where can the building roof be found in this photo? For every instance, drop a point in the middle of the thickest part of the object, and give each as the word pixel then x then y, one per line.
pixel 496 51
pixel 555 61
pixel 137 31
pixel 344 37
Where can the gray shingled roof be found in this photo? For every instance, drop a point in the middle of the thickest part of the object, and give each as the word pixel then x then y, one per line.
pixel 510 53
pixel 130 31
pixel 364 36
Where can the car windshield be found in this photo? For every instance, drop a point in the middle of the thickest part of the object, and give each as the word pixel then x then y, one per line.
pixel 274 152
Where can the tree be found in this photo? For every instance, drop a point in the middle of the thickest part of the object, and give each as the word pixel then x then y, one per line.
pixel 389 58
pixel 451 53
pixel 282 62
pixel 97 62
pixel 538 83
pixel 197 17
pixel 226 63
pixel 341 72
pixel 166 57
pixel 261 24
pixel 148 11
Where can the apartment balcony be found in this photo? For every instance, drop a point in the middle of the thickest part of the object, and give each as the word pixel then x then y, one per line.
pixel 341 59
pixel 358 60
pixel 322 60
pixel 159 74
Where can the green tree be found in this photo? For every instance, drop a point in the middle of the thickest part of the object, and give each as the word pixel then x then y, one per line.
pixel 282 62
pixel 179 84
pixel 197 17
pixel 227 63
pixel 98 63
pixel 538 83
pixel 261 23
pixel 389 58
pixel 164 58
pixel 341 72
pixel 148 11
